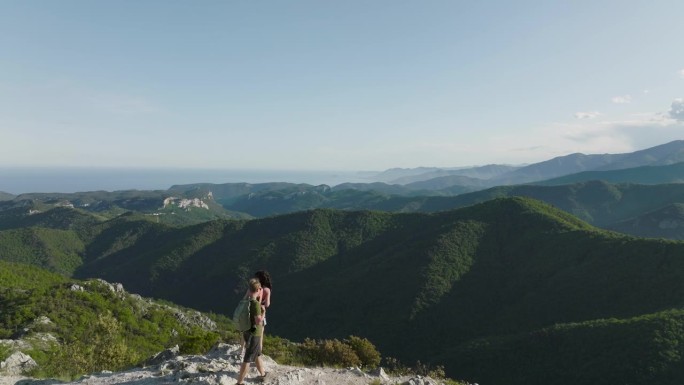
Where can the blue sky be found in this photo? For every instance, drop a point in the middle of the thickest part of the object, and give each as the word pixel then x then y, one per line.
pixel 335 85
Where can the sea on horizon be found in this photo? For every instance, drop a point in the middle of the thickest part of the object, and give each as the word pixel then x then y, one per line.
pixel 18 180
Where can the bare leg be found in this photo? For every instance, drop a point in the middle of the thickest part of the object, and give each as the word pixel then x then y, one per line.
pixel 260 366
pixel 243 372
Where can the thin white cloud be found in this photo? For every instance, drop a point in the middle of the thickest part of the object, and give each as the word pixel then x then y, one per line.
pixel 681 73
pixel 677 110
pixel 624 99
pixel 587 115
pixel 598 136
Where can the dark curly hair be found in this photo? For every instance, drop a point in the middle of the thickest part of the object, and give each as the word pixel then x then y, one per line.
pixel 264 278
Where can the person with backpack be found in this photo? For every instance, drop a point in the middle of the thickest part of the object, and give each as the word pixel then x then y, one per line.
pixel 252 337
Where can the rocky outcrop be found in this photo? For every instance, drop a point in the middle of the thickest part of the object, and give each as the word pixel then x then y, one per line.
pixel 17 363
pixel 163 356
pixel 187 204
pixel 220 367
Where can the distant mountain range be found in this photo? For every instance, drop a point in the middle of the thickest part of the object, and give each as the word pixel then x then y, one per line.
pixel 451 181
pixel 481 172
pixel 497 175
pixel 599 203
pixel 197 203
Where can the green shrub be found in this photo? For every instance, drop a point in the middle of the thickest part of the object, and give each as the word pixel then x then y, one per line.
pixel 365 350
pixel 99 347
pixel 353 351
pixel 5 352
pixel 329 353
pixel 197 341
pixel 283 351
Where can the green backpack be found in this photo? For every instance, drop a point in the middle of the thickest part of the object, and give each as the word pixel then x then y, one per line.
pixel 241 316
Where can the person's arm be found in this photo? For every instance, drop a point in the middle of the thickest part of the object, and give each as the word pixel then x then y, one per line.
pixel 266 301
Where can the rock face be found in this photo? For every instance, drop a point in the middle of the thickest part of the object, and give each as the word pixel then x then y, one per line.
pixel 220 367
pixel 17 363
pixel 186 204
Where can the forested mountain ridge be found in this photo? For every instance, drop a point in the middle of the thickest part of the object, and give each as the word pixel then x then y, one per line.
pixel 599 203
pixel 673 173
pixel 449 283
pixel 71 327
pixel 160 206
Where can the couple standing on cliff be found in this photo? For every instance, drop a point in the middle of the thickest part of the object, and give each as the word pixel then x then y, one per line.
pixel 259 294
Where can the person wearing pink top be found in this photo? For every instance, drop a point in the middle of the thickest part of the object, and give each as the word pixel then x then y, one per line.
pixel 265 279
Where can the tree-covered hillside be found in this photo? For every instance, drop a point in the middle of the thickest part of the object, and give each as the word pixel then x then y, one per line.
pixel 57 250
pixel 600 203
pixel 420 286
pixel 673 173
pixel 160 206
pixel 75 327
pixel 494 270
pixel 435 287
pixel 597 202
pixel 666 222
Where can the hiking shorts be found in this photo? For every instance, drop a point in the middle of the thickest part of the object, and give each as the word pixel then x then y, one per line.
pixel 252 346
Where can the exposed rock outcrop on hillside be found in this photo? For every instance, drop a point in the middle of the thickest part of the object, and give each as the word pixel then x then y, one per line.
pixel 220 367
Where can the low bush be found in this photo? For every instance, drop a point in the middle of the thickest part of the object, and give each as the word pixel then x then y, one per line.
pixel 365 350
pixel 333 353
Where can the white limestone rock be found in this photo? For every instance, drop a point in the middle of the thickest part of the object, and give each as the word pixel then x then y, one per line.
pixel 17 363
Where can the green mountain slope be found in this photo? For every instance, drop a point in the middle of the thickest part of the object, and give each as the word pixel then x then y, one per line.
pixel 667 222
pixel 600 203
pixel 167 261
pixel 76 327
pixel 502 267
pixel 673 173
pixel 55 218
pixel 412 283
pixel 638 350
pixel 160 206
pixel 56 250
pixel 477 282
